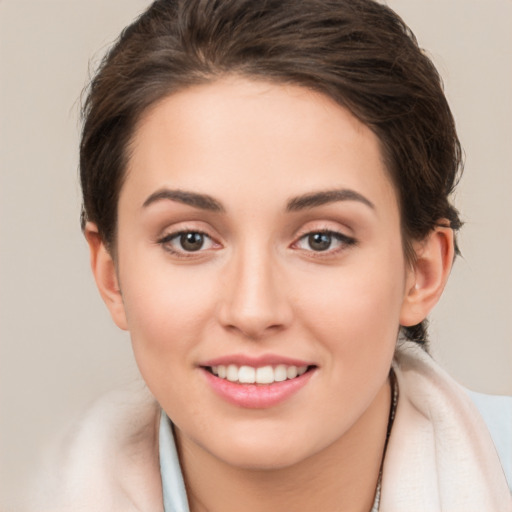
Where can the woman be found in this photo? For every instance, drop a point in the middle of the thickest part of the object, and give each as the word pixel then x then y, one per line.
pixel 266 201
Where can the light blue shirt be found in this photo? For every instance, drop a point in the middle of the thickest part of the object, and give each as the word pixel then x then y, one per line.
pixel 173 486
pixel 497 413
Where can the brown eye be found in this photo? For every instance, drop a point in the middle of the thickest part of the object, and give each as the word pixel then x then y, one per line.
pixel 186 242
pixel 319 241
pixel 324 241
pixel 191 241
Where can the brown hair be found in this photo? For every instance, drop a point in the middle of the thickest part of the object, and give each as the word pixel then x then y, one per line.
pixel 358 52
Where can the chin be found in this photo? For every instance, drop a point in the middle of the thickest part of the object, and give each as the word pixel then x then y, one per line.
pixel 262 460
pixel 263 450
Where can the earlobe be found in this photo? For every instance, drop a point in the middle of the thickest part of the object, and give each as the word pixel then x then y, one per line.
pixel 104 271
pixel 428 276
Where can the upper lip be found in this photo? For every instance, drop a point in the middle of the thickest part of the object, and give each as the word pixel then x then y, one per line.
pixel 255 362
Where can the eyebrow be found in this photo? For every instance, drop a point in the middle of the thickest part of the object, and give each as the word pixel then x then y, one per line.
pixel 201 201
pixel 303 202
pixel 329 196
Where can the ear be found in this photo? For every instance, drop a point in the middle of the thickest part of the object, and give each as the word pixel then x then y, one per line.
pixel 428 275
pixel 104 271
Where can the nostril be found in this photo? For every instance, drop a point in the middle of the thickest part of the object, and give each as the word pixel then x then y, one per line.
pixel 254 329
pixel 252 303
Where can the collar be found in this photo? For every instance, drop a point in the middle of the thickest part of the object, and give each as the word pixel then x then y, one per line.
pixel 173 486
pixel 440 455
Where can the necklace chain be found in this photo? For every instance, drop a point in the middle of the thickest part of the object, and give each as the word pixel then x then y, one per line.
pixel 392 412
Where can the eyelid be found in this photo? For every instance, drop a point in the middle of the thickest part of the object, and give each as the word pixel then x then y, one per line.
pixel 165 242
pixel 345 240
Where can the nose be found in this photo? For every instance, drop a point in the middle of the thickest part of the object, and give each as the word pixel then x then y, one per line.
pixel 254 299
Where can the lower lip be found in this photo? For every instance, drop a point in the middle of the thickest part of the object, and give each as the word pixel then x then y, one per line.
pixel 256 396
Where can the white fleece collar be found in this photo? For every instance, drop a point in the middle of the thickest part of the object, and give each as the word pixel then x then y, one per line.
pixel 440 455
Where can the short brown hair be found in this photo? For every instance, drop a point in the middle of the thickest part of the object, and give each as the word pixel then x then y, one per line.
pixel 358 52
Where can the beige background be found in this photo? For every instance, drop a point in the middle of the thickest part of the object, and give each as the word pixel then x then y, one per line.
pixel 58 348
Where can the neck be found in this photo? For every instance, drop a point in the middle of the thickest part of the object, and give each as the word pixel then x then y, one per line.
pixel 341 477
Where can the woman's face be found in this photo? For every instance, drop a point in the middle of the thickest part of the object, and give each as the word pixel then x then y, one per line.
pixel 259 236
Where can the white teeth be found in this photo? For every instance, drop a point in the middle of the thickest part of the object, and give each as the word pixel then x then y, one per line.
pixel 246 375
pixel 232 373
pixel 291 372
pixel 262 375
pixel 265 375
pixel 280 373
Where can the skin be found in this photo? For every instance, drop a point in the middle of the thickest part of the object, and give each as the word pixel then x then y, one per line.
pixel 257 286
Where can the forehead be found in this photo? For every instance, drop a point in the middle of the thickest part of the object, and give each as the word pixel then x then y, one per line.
pixel 254 137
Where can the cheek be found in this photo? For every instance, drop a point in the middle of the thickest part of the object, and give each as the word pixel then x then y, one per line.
pixel 363 300
pixel 355 309
pixel 167 323
pixel 355 320
pixel 167 311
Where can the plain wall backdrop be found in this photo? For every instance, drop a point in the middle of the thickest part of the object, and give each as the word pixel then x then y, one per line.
pixel 58 348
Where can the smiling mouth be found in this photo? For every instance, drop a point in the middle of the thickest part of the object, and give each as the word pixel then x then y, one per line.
pixel 260 375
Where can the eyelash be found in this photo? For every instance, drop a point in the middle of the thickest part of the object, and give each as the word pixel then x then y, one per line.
pixel 166 241
pixel 344 241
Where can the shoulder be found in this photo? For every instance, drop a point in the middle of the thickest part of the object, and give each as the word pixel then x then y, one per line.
pixel 446 403
pixel 107 460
